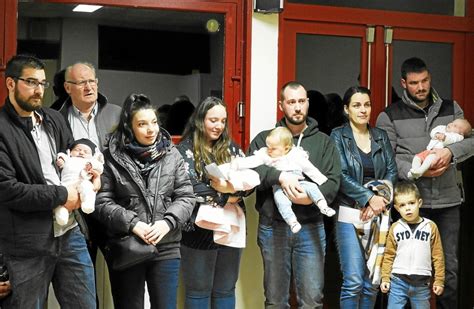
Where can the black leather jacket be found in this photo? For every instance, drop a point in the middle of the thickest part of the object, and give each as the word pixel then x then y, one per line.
pixel 352 191
pixel 125 198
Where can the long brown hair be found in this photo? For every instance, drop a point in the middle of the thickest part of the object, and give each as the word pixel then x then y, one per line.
pixel 220 148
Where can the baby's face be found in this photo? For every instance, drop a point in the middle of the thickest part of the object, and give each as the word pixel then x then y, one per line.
pixel 457 126
pixel 81 150
pixel 275 148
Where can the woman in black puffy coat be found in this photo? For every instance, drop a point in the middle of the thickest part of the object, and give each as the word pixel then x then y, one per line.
pixel 146 193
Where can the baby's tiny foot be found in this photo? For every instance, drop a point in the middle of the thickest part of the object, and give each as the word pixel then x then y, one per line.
pixel 328 211
pixel 295 227
pixel 412 175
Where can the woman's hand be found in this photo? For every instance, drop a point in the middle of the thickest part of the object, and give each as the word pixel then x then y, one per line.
pixel 376 206
pixel 366 214
pixel 141 229
pixel 221 185
pixel 158 230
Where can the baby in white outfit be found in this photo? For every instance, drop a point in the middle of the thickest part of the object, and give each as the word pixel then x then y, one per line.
pixel 82 157
pixel 441 136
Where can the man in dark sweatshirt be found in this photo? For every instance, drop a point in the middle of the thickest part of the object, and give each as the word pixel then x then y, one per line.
pixel 284 253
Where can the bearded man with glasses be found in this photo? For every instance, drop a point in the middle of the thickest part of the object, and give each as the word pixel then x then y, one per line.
pixel 37 253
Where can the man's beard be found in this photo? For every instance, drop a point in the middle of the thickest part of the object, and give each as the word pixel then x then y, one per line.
pixel 290 120
pixel 25 105
pixel 416 100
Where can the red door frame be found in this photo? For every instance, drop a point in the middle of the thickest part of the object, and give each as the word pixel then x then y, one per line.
pixel 407 26
pixel 8 11
pixel 235 50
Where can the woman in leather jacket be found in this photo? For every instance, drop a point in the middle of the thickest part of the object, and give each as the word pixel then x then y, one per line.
pixel 146 192
pixel 366 154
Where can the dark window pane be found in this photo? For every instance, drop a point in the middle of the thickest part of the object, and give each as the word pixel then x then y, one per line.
pixel 144 50
pixel 440 7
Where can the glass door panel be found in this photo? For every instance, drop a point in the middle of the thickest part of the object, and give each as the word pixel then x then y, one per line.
pixel 443 52
pixel 329 64
pixel 327 59
pixel 438 58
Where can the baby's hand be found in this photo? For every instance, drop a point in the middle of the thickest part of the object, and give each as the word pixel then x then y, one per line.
pixel 438 290
pixel 88 167
pixel 384 287
pixel 60 162
pixel 234 163
pixel 440 136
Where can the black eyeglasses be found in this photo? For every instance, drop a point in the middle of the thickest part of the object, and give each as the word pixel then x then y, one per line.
pixel 34 83
pixel 83 83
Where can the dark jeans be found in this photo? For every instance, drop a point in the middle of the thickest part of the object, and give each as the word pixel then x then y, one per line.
pixel 128 286
pixel 448 222
pixel 69 269
pixel 209 277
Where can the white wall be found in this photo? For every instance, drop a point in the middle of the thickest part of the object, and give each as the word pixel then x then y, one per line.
pixel 161 88
pixel 264 72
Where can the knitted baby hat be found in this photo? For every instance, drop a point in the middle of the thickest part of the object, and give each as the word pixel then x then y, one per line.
pixel 84 141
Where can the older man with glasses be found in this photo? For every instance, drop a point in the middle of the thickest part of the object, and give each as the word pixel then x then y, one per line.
pixel 87 111
pixel 90 116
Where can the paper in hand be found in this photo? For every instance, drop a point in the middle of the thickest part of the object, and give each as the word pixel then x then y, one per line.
pixel 215 171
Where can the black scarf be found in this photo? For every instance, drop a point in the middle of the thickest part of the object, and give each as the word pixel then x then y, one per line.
pixel 146 157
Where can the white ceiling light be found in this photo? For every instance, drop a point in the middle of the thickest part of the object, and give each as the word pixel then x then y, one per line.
pixel 86 8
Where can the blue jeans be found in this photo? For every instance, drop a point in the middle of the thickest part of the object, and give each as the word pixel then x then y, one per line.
pixel 70 270
pixel 357 290
pixel 448 221
pixel 209 277
pixel 301 254
pixel 400 292
pixel 284 204
pixel 128 286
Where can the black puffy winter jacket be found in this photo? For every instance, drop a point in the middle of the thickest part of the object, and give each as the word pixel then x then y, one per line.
pixel 125 198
